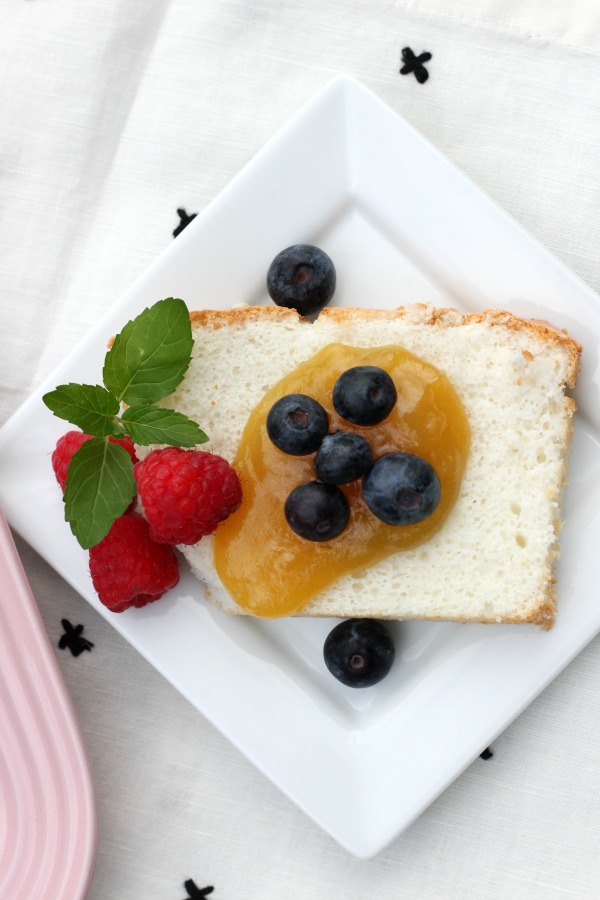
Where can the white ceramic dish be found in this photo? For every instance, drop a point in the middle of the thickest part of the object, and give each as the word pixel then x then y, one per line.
pixel 402 224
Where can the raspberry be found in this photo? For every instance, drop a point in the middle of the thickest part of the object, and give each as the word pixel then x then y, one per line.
pixel 128 568
pixel 70 443
pixel 186 493
pixel 65 449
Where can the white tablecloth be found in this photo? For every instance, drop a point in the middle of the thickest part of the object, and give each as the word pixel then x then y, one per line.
pixel 114 114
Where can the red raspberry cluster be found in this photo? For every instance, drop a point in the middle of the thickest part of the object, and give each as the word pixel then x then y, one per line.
pixel 184 494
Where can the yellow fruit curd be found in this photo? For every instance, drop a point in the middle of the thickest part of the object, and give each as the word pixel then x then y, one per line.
pixel 268 569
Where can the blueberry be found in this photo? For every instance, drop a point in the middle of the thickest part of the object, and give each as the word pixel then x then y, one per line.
pixel 297 424
pixel 401 489
pixel 359 652
pixel 317 512
pixel 301 277
pixel 364 395
pixel 342 457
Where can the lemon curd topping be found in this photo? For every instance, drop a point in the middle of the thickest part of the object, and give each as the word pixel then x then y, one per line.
pixel 268 569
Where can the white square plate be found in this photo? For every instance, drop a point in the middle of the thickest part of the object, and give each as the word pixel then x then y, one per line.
pixel 402 224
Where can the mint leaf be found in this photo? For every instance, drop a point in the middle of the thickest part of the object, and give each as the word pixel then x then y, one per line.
pixel 151 354
pixel 155 425
pixel 100 487
pixel 91 407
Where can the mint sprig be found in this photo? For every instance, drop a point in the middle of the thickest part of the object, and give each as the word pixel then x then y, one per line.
pixel 155 425
pixel 151 354
pixel 91 407
pixel 145 363
pixel 100 487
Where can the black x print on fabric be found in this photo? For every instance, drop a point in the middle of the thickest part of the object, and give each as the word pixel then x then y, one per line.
pixel 72 638
pixel 185 220
pixel 414 64
pixel 196 893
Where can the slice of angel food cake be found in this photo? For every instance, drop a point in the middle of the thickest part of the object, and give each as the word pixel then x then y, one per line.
pixel 403 464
